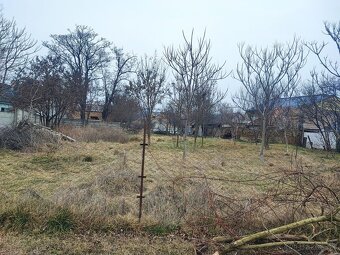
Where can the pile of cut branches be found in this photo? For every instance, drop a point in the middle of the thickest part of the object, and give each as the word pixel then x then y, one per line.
pixel 275 237
pixel 28 135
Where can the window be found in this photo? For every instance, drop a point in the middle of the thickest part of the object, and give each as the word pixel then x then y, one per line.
pixel 2 109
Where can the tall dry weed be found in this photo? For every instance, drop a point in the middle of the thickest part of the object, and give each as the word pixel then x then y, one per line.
pixel 95 134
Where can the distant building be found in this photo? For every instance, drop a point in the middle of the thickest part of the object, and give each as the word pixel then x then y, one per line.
pixel 161 124
pixel 9 115
pixel 311 136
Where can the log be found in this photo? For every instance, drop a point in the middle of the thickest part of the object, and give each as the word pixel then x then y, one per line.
pixel 67 138
pixel 242 243
pixel 63 137
pixel 278 237
pixel 284 243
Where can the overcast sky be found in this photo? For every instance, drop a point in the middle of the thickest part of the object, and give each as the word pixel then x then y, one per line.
pixel 143 26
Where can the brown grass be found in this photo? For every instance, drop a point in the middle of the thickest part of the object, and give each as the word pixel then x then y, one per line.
pixel 221 188
pixel 95 134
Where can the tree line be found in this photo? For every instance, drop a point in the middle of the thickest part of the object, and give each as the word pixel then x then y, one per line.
pixel 82 71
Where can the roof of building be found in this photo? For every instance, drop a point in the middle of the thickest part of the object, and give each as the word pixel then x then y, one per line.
pixel 295 102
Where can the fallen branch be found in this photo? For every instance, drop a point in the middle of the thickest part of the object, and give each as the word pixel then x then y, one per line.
pixel 53 132
pixel 283 243
pixel 278 237
pixel 242 243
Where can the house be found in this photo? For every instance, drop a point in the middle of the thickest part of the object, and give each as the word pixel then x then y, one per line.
pixel 298 113
pixel 10 115
pixel 161 124
pixel 93 116
pixel 317 123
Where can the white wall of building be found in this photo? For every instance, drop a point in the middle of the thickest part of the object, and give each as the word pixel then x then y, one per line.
pixel 317 140
pixel 10 117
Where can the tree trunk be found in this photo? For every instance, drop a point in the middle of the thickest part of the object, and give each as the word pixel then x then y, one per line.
pixel 263 141
pixel 337 148
pixel 83 112
pixel 202 138
pixel 286 140
pixel 105 112
pixel 149 135
pixel 186 127
pixel 196 134
pixel 148 129
pixel 235 134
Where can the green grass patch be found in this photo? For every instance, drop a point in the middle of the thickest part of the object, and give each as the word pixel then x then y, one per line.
pixel 161 229
pixel 61 221
pixel 17 219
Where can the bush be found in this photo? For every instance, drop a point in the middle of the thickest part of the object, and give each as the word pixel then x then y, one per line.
pixel 96 134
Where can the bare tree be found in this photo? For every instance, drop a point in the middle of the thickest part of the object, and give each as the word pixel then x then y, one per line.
pixel 83 54
pixel 206 99
pixel 286 118
pixel 174 109
pixel 266 75
pixel 325 115
pixel 192 66
pixel 321 106
pixel 233 117
pixel 149 88
pixel 331 66
pixel 51 97
pixel 171 112
pixel 16 46
pixel 125 109
pixel 244 101
pixel 122 68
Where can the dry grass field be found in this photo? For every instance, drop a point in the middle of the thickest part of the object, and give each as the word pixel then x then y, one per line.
pixel 81 198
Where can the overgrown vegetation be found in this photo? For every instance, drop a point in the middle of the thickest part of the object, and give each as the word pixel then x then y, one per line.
pixel 221 189
pixel 95 134
pixel 26 136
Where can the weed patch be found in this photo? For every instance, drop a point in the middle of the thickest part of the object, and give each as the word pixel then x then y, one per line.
pixel 61 221
pixel 17 219
pixel 160 230
pixel 96 134
pixel 88 159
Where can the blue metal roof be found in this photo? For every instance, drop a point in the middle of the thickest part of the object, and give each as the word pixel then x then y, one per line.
pixel 296 102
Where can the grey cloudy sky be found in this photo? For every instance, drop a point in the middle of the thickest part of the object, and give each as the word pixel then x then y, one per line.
pixel 143 26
